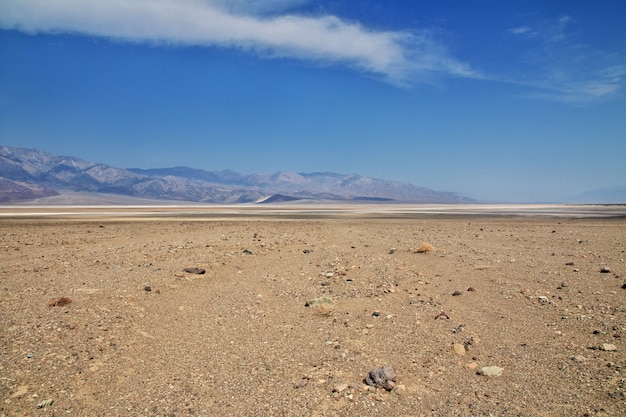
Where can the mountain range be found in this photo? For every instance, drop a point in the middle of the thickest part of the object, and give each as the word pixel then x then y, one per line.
pixel 29 174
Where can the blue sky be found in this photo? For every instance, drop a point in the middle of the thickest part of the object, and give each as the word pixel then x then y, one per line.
pixel 518 101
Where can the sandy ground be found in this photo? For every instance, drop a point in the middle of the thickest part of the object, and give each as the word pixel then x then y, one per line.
pixel 141 337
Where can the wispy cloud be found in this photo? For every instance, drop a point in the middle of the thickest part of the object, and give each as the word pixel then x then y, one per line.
pixel 557 67
pixel 399 57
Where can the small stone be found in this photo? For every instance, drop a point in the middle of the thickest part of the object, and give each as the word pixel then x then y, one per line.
pixel 570 263
pixel 605 270
pixel 471 289
pixel 490 371
pixel 376 313
pixel 608 347
pixel 301 383
pixel 246 252
pixel 30 355
pixel 442 315
pixel 147 288
pixel 45 403
pixel 459 349
pixel 457 293
pixel 340 387
pixel 198 271
pixel 383 377
pixel 542 299
pixel 579 358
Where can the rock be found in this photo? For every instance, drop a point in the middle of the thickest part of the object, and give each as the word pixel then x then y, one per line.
pixel 319 301
pixel 457 293
pixel 59 302
pixel 383 377
pixel 608 347
pixel 490 371
pixel 542 299
pixel 198 271
pixel 471 289
pixel 340 387
pixel 579 358
pixel 147 288
pixel 459 349
pixel 605 270
pixel 45 403
pixel 442 315
pixel 246 252
pixel 301 383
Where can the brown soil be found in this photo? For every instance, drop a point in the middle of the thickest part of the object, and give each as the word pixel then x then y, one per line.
pixel 99 317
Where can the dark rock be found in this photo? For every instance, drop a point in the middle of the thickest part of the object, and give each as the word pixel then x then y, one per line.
pixel 198 271
pixel 605 270
pixel 471 289
pixel 147 288
pixel 246 252
pixel 457 293
pixel 383 377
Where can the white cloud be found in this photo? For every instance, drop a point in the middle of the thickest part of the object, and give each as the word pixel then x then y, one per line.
pixel 559 68
pixel 398 57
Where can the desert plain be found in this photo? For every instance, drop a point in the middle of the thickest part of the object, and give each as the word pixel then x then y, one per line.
pixel 103 312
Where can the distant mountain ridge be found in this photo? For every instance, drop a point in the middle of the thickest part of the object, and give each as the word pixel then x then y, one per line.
pixel 26 174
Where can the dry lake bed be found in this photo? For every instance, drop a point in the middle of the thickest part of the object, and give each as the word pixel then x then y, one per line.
pixel 476 310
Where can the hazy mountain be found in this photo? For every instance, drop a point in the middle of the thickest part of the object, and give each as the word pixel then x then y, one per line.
pixel 28 173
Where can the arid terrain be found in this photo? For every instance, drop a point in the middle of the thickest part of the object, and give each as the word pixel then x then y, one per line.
pixel 98 316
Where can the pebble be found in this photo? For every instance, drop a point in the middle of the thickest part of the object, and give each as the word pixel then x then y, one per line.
pixel 198 271
pixel 490 371
pixel 605 270
pixel 340 387
pixel 542 299
pixel 579 358
pixel 608 347
pixel 383 377
pixel 457 293
pixel 459 349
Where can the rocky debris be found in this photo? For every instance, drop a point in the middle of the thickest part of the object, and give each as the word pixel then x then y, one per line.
pixel 198 271
pixel 442 315
pixel 490 371
pixel 383 377
pixel 457 293
pixel 59 302
pixel 605 270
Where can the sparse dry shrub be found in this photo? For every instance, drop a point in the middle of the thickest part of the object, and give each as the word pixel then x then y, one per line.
pixel 59 302
pixel 424 248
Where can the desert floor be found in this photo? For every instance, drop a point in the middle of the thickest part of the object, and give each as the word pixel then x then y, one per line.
pixel 542 297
